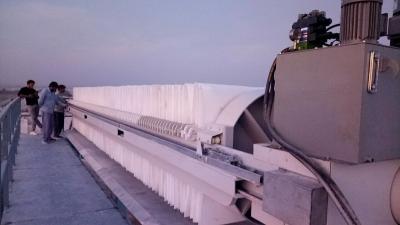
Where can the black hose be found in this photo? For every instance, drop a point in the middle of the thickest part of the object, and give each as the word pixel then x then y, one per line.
pixel 333 26
pixel 325 180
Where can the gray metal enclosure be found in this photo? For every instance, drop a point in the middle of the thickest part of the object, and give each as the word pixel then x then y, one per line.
pixel 340 103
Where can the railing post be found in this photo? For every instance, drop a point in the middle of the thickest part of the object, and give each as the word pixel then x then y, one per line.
pixel 9 137
pixel 2 141
pixel 3 144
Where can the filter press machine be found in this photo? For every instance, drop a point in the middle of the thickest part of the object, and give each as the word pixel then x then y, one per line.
pixel 319 145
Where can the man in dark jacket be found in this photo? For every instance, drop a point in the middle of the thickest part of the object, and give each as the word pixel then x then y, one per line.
pixel 31 96
pixel 59 110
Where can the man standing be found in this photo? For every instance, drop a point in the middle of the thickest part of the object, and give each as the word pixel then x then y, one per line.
pixel 31 97
pixel 47 102
pixel 59 111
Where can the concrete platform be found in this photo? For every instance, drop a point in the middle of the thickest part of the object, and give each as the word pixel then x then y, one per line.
pixel 52 187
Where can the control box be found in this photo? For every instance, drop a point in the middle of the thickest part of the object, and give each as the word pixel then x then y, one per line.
pixel 340 103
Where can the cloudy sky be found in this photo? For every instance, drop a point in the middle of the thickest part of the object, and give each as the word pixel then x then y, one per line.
pixel 118 42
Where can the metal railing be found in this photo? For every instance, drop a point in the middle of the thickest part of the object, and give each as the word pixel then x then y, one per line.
pixel 10 115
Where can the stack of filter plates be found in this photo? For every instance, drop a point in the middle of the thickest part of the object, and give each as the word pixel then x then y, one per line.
pixel 198 104
pixel 184 131
pixel 193 104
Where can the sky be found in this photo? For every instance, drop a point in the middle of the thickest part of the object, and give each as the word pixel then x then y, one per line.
pixel 130 42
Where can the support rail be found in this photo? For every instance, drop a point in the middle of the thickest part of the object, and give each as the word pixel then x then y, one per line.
pixel 10 115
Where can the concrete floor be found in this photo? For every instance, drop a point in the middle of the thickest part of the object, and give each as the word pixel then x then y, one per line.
pixel 52 187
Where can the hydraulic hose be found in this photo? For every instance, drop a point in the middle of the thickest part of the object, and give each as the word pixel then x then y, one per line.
pixel 325 180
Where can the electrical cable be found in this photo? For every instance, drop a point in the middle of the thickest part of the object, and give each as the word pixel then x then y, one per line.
pixel 325 180
pixel 333 26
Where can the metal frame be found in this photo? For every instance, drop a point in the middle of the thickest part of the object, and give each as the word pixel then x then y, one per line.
pixel 234 170
pixel 10 116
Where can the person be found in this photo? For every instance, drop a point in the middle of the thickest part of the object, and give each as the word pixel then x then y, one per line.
pixel 59 110
pixel 47 102
pixel 31 98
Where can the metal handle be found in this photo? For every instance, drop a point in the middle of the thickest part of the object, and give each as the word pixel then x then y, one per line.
pixel 373 72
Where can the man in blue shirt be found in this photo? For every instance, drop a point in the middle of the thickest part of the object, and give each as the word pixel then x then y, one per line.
pixel 47 102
